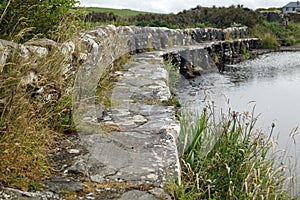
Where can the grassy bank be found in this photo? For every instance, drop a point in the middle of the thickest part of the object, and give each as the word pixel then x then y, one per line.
pixel 274 34
pixel 120 12
pixel 228 159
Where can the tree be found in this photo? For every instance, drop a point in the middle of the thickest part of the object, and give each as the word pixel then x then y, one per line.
pixel 22 19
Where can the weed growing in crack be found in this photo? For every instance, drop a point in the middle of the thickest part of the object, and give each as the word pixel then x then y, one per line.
pixel 107 82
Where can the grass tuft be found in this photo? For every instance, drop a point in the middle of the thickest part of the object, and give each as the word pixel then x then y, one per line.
pixel 107 82
pixel 227 159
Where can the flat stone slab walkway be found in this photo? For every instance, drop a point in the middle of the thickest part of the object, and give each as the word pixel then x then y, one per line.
pixel 141 147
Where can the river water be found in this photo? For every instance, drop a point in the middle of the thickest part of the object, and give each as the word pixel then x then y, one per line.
pixel 270 83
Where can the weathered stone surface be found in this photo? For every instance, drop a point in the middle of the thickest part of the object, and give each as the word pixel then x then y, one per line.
pixel 58 184
pixel 137 195
pixel 145 146
pixel 14 194
pixel 36 50
pixel 46 43
pixel 123 39
pixel 208 57
pixel 192 61
pixel 160 193
pixel 6 49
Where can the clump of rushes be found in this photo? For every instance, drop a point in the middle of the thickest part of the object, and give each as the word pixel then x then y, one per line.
pixel 228 159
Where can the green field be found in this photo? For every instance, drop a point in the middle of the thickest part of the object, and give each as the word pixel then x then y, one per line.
pixel 121 12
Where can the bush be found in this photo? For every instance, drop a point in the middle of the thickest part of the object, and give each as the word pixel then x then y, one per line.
pixel 289 41
pixel 22 19
pixel 269 42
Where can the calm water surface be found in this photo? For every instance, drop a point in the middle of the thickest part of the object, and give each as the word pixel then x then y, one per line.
pixel 271 83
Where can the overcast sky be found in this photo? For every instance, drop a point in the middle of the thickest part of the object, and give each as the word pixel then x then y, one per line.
pixel 168 6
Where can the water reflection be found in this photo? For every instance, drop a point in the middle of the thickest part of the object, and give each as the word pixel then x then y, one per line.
pixel 267 67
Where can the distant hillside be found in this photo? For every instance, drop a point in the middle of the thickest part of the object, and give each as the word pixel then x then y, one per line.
pixel 120 12
pixel 195 17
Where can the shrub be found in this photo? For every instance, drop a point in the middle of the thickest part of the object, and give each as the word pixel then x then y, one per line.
pixel 269 42
pixel 289 41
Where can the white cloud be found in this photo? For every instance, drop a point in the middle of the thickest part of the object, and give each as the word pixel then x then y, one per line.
pixel 167 6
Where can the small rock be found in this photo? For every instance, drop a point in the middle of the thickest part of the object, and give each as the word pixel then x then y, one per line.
pixel 139 119
pixel 73 151
pixel 90 196
pixel 83 57
pixel 68 48
pixel 46 43
pixel 78 167
pixel 37 51
pixel 30 78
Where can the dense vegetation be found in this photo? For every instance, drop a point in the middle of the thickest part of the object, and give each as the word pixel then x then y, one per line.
pixel 29 125
pixel 274 34
pixel 201 16
pixel 197 17
pixel 21 20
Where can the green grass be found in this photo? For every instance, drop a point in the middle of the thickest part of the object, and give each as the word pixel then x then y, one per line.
pixel 227 159
pixel 274 34
pixel 107 81
pixel 120 12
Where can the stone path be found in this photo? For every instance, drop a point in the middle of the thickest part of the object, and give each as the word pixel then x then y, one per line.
pixel 140 147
